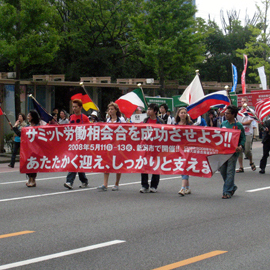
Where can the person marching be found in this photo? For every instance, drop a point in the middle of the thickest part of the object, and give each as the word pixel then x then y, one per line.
pixel 20 123
pixel 227 170
pixel 77 118
pixel 182 118
pixel 33 120
pixel 151 119
pixel 114 116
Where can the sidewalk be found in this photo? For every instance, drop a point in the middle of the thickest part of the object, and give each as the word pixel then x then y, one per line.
pixel 6 157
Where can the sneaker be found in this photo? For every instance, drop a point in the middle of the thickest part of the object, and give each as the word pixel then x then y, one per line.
pixel 84 185
pixel 9 165
pixel 262 171
pixel 153 190
pixel 102 188
pixel 68 185
pixel 115 188
pixel 187 191
pixel 144 190
pixel 181 192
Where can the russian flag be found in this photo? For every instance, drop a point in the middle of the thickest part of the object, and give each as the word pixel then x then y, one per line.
pixel 204 104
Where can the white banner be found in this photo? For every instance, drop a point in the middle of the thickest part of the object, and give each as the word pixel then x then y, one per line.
pixel 262 77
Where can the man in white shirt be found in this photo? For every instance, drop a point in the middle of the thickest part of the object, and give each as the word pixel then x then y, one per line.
pixel 246 121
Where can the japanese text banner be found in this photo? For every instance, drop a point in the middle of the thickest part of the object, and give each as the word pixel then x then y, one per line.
pixel 126 148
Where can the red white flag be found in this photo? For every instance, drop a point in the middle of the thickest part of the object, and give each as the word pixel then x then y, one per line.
pixel 262 108
pixel 243 76
pixel 193 92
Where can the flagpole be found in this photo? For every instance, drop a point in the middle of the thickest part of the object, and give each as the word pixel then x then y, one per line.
pixel 83 87
pixel 140 86
pixel 232 75
pixel 229 96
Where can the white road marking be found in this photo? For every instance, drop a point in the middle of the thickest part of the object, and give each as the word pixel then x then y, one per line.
pixel 60 254
pixel 257 189
pixel 74 191
pixel 42 179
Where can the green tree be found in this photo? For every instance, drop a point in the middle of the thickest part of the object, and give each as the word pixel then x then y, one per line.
pixel 96 36
pixel 222 46
pixel 167 38
pixel 258 49
pixel 27 36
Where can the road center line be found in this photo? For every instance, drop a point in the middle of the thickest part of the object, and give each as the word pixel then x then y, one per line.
pixel 191 260
pixel 15 234
pixel 60 254
pixel 74 191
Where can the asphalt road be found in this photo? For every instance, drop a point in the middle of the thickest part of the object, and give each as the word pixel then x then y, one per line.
pixel 50 227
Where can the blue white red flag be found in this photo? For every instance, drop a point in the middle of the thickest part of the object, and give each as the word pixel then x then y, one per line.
pixel 234 70
pixel 218 99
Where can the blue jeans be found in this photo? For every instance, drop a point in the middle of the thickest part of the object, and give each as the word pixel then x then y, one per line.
pixel 227 171
pixel 185 177
pixel 71 177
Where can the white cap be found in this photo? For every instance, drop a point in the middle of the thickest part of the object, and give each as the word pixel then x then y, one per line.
pixel 94 113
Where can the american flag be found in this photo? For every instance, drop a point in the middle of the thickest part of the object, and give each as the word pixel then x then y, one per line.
pixel 262 108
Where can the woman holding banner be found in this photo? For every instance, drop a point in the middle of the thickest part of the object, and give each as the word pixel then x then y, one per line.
pixel 114 117
pixel 33 120
pixel 182 118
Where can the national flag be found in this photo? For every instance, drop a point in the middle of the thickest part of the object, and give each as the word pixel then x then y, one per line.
pixel 1 112
pixel 193 92
pixel 44 115
pixel 247 112
pixel 234 71
pixel 80 93
pixel 218 99
pixel 262 108
pixel 130 101
pixel 243 76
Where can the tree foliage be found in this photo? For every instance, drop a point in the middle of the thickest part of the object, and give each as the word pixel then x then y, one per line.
pixel 166 36
pixel 27 35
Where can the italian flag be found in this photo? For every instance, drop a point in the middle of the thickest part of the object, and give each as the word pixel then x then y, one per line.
pixel 130 101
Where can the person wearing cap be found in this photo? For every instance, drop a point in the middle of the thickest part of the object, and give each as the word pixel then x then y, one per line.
pixel 93 117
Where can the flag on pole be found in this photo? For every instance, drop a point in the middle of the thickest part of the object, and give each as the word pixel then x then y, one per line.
pixel 243 76
pixel 218 99
pixel 1 112
pixel 44 115
pixel 193 92
pixel 80 93
pixel 262 77
pixel 130 101
pixel 234 71
pixel 262 108
pixel 247 112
